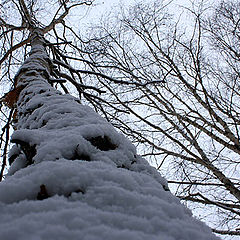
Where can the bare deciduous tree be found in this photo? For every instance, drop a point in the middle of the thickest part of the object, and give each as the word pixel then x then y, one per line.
pixel 72 175
pixel 169 86
pixel 175 87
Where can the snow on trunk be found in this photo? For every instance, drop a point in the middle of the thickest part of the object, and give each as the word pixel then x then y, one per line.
pixel 75 177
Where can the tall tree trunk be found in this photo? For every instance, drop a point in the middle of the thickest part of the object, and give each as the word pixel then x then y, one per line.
pixel 88 176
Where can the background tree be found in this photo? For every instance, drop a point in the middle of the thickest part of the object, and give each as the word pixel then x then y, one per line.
pixel 72 175
pixel 174 87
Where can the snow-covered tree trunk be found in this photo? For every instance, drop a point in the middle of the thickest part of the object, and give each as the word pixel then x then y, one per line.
pixel 74 176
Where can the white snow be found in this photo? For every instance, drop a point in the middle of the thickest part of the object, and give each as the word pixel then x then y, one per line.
pixel 94 192
pixel 113 203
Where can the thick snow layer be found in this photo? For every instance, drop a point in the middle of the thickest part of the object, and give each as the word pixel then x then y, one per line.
pixel 92 200
pixel 91 193
pixel 57 126
pixel 74 177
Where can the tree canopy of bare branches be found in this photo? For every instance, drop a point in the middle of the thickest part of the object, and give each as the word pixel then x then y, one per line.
pixel 72 175
pixel 17 21
pixel 174 90
pixel 170 85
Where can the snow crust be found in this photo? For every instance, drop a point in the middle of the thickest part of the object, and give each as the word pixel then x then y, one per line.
pixel 93 193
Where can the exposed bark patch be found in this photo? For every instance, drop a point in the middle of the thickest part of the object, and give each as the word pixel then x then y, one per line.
pixel 166 188
pixel 31 110
pixel 123 166
pixel 44 123
pixel 12 158
pixel 83 157
pixel 78 101
pixel 134 161
pixel 42 91
pixel 102 143
pixel 80 156
pixel 42 194
pixel 10 99
pixel 31 72
pixel 26 99
pixel 76 191
pixel 29 151
pixel 126 167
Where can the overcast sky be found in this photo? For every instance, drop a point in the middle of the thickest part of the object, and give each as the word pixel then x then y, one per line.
pixel 102 6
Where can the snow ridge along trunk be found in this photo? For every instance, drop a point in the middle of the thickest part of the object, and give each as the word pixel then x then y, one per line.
pixel 73 176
